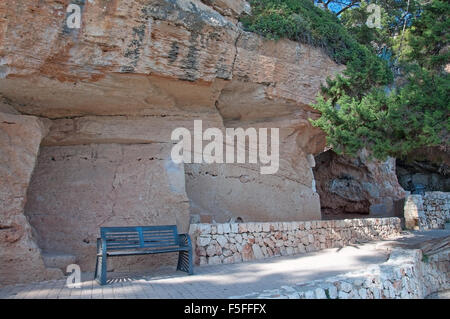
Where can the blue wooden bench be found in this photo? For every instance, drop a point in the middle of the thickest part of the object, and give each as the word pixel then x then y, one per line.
pixel 141 240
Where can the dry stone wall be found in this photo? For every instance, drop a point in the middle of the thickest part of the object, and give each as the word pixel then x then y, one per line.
pixel 429 211
pixel 406 275
pixel 237 242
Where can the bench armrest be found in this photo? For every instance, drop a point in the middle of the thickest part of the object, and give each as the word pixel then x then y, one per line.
pixel 101 246
pixel 184 240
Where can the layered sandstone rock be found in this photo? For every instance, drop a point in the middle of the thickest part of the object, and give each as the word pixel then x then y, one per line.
pixel 76 189
pixel 151 58
pixel 223 192
pixel 20 257
pixel 115 89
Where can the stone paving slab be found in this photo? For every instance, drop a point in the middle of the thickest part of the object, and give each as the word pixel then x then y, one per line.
pixel 218 281
pixel 225 280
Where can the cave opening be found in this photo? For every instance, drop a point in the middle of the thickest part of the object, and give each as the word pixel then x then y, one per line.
pixel 425 174
pixel 357 187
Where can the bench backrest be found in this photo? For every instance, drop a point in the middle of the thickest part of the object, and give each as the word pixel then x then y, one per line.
pixel 136 237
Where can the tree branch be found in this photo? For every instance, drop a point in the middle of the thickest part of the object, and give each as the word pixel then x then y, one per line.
pixel 352 4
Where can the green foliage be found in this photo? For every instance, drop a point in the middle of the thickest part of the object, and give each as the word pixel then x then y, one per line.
pixel 389 124
pixel 394 15
pixel 300 20
pixel 363 71
pixel 429 37
pixel 363 107
pixel 395 122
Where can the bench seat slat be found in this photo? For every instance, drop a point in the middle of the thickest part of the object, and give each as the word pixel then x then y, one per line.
pixel 121 233
pixel 122 242
pixel 114 240
pixel 117 235
pixel 154 238
pixel 141 247
pixel 144 240
pixel 157 231
pixel 145 251
pixel 134 228
pixel 159 238
pixel 124 247
pixel 158 234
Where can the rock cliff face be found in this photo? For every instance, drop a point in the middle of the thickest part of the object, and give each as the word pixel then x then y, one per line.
pixel 19 143
pixel 110 94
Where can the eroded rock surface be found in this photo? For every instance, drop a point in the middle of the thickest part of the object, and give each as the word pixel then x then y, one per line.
pixel 77 189
pixel 20 257
pixel 115 89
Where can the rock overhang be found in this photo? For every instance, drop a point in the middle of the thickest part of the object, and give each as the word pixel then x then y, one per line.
pixel 111 93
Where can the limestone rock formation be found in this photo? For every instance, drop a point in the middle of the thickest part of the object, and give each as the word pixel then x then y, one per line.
pixel 20 258
pixel 113 91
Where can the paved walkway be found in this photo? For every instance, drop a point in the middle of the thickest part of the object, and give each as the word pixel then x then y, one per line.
pixel 223 281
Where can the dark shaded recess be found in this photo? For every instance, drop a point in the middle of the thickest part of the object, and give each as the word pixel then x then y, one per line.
pixel 341 194
pixel 433 176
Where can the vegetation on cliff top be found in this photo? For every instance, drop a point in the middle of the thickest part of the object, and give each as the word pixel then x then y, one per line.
pixel 366 106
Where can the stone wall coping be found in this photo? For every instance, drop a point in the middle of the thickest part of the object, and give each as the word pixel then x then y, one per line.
pixel 225 228
pixel 437 193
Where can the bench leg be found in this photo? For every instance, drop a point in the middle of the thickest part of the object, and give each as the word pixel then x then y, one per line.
pixel 100 270
pixel 185 262
pixel 96 268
